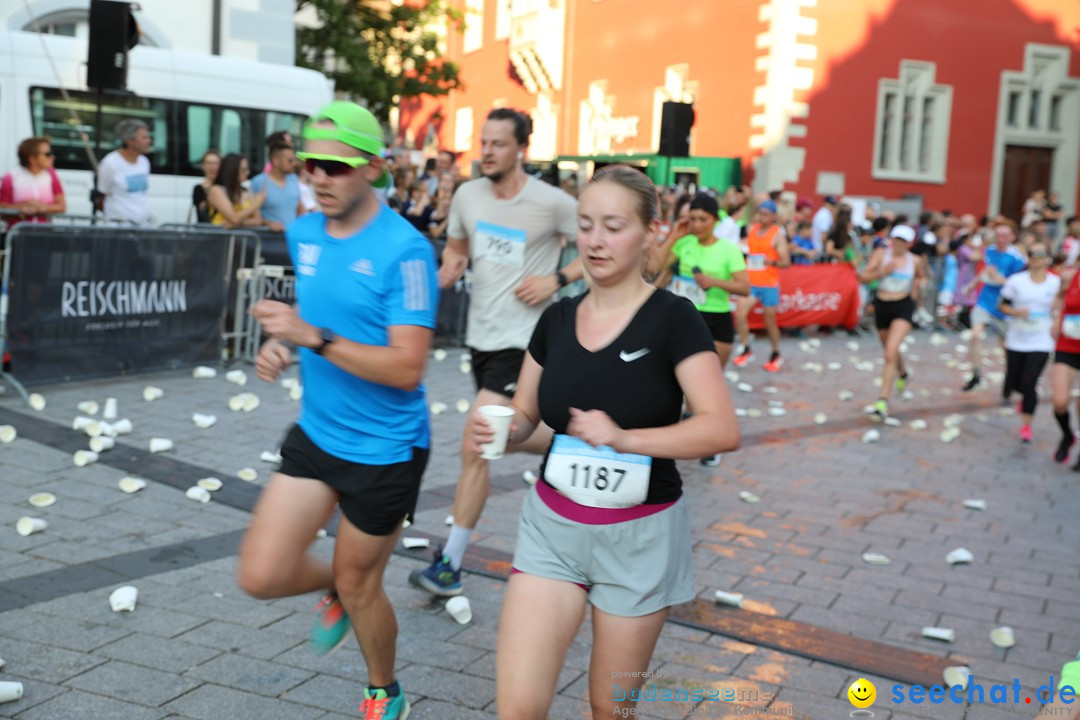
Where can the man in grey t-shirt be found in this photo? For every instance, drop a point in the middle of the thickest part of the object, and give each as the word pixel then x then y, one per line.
pixel 510 226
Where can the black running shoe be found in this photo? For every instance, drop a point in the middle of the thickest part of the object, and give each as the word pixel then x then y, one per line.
pixel 1063 449
pixel 971 384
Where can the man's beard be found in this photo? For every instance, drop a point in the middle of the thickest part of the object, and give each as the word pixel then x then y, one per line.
pixel 495 176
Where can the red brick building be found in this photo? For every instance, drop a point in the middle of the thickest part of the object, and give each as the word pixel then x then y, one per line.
pixel 970 104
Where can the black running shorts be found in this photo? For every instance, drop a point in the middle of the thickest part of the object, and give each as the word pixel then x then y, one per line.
pixel 721 326
pixel 374 498
pixel 885 311
pixel 497 370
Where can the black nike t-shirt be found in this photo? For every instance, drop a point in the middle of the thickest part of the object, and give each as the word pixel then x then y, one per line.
pixel 632 379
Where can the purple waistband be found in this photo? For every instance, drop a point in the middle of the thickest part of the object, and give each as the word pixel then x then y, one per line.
pixel 567 508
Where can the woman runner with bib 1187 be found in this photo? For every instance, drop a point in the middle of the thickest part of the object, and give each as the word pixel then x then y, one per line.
pixel 606 524
pixel 900 276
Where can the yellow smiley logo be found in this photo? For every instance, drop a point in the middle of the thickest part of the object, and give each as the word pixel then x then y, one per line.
pixel 862 693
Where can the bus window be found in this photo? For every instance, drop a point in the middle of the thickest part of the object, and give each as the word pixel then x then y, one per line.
pixel 52 116
pixel 226 129
pixel 292 124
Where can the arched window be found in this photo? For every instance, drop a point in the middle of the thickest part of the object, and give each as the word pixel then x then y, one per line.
pixel 73 23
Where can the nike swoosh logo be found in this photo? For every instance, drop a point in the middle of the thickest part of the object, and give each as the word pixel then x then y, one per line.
pixel 631 357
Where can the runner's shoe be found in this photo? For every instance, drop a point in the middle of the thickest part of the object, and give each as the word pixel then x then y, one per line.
pixel 439 578
pixel 1026 435
pixel 1063 448
pixel 331 628
pixel 712 461
pixel 775 363
pixel 902 381
pixel 879 411
pixel 743 357
pixel 971 384
pixel 378 705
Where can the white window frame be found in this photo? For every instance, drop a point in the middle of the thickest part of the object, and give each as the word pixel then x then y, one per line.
pixel 503 14
pixel 473 38
pixel 913 88
pixel 463 129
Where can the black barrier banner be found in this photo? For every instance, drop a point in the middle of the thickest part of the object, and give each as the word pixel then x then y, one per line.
pixel 98 302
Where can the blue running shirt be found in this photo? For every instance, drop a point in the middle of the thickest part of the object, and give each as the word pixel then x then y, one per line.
pixel 1008 263
pixel 359 286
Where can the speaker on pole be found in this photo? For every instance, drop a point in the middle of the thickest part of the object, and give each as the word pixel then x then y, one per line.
pixel 113 31
pixel 676 119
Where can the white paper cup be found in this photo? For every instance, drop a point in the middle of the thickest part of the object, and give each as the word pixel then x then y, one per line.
pixel 460 609
pixel 203 373
pixel 198 494
pixel 27 526
pixel 439 355
pixel 251 402
pixel 236 402
pixel 845 395
pixel 88 406
pixel 132 485
pixel 871 436
pixel 81 422
pixel 958 556
pixel 957 676
pixel 159 445
pixel 729 598
pixel 210 484
pixel 1003 637
pixel 236 377
pixel 82 458
pixel 121 427
pixel 248 474
pixel 970 504
pixel 37 401
pixel 289 383
pixel 101 444
pixel 438 408
pixel 95 429
pixel 203 421
pixel 7 433
pixel 937 633
pixel 123 599
pixel 499 417
pixel 42 499
pixel 296 392
pixel 110 411
pixel 463 406
pixel 411 543
pixel 151 393
pixel 270 457
pixel 871 558
pixel 10 691
pixel 748 497
pixel 820 418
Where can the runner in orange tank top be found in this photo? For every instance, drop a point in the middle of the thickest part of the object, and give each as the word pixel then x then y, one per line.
pixel 768 245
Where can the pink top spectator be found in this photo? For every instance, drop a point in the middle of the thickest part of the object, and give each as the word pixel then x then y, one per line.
pixel 21 185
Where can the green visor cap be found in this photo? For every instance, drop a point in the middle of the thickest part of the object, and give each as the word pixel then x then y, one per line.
pixel 354 126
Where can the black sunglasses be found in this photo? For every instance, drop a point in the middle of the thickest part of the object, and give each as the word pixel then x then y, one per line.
pixel 332 168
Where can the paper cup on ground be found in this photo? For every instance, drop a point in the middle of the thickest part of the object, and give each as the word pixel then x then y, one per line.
pixel 96 428
pixel 1003 637
pixel 210 484
pixel 82 458
pixel 729 598
pixel 871 436
pixel 937 633
pixel 236 402
pixel 151 393
pixel 248 474
pixel 876 559
pixel 42 500
pixel 957 676
pixel 109 411
pixel 27 526
pixel 748 497
pixel 7 433
pixel 158 445
pixel 958 556
pixel 499 417
pixel 296 392
pixel 917 425
pixel 101 444
pixel 411 543
pixel 10 691
pixel 820 418
pixel 270 457
pixel 132 485
pixel 123 599
pixel 439 355
pixel 236 377
pixel 121 427
pixel 81 422
pixel 448 520
pixel 972 504
pixel 203 421
pixel 37 401
pixel 203 373
pixel 845 395
pixel 251 402
pixel 438 408
pixel 198 494
pixel 88 406
pixel 460 609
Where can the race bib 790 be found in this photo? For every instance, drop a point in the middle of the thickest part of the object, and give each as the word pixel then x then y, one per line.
pixel 496 243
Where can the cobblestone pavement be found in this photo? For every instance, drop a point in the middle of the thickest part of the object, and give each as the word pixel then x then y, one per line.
pixel 196 647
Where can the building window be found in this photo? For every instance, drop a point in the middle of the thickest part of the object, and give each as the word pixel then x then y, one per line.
pixel 463 129
pixel 1014 109
pixel 911 137
pixel 474 25
pixel 1055 112
pixel 502 18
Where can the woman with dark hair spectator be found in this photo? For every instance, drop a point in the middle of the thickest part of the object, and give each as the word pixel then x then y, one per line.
pixel 440 216
pixel 33 188
pixel 838 243
pixel 404 176
pixel 231 204
pixel 210 164
pixel 417 209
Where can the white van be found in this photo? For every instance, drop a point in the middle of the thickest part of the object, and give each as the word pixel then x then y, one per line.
pixel 190 102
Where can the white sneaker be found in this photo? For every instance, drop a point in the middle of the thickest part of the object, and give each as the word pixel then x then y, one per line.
pixel 712 461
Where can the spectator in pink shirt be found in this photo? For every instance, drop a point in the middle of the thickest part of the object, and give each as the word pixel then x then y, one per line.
pixel 33 189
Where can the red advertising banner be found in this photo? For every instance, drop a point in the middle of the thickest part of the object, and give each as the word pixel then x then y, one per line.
pixel 814 295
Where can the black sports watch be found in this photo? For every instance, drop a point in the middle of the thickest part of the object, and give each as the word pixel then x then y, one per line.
pixel 327 335
pixel 561 279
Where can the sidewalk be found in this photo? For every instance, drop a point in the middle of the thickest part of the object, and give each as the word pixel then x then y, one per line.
pixel 196 647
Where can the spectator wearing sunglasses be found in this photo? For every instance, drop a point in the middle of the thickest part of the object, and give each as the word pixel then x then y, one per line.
pixel 33 189
pixel 366 303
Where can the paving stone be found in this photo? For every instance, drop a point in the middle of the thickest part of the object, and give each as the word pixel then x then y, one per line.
pixel 212 702
pixel 249 674
pixel 78 705
pixel 464 690
pixel 169 655
pixel 133 683
pixel 69 633
pixel 45 662
pixel 230 637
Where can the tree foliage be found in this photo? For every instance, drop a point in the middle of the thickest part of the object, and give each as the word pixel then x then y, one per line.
pixel 379 52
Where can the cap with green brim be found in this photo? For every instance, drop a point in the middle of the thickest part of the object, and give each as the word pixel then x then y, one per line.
pixel 354 126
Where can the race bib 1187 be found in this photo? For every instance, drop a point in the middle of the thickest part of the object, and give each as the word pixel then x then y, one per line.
pixel 597 476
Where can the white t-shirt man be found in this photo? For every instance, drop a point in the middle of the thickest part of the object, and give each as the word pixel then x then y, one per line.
pixel 126 187
pixel 726 228
pixel 1030 334
pixel 509 240
pixel 820 227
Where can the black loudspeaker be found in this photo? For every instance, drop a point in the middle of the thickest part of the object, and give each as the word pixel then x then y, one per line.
pixel 676 119
pixel 113 31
